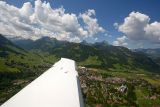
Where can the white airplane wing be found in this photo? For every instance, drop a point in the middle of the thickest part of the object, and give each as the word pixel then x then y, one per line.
pixel 57 87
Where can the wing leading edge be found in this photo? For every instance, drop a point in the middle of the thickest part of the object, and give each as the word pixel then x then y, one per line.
pixel 59 86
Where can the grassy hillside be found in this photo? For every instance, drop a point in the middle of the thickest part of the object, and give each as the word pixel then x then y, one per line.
pixel 18 67
pixel 98 55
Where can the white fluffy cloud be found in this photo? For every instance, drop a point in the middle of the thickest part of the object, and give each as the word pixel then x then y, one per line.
pixel 137 26
pixel 91 23
pixel 120 41
pixel 35 22
pixel 153 31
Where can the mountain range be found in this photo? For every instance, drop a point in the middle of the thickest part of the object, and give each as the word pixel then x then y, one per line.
pixel 154 53
pixel 100 54
pixel 14 58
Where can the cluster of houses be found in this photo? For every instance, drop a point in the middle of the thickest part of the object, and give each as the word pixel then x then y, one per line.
pixel 117 85
pixel 86 75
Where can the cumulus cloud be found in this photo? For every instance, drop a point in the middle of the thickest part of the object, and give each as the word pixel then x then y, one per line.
pixel 120 41
pixel 137 27
pixel 153 31
pixel 30 22
pixel 91 23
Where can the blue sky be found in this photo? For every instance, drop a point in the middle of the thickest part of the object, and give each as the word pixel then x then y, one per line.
pixel 109 12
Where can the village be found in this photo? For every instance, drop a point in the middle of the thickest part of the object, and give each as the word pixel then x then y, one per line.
pixel 106 89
